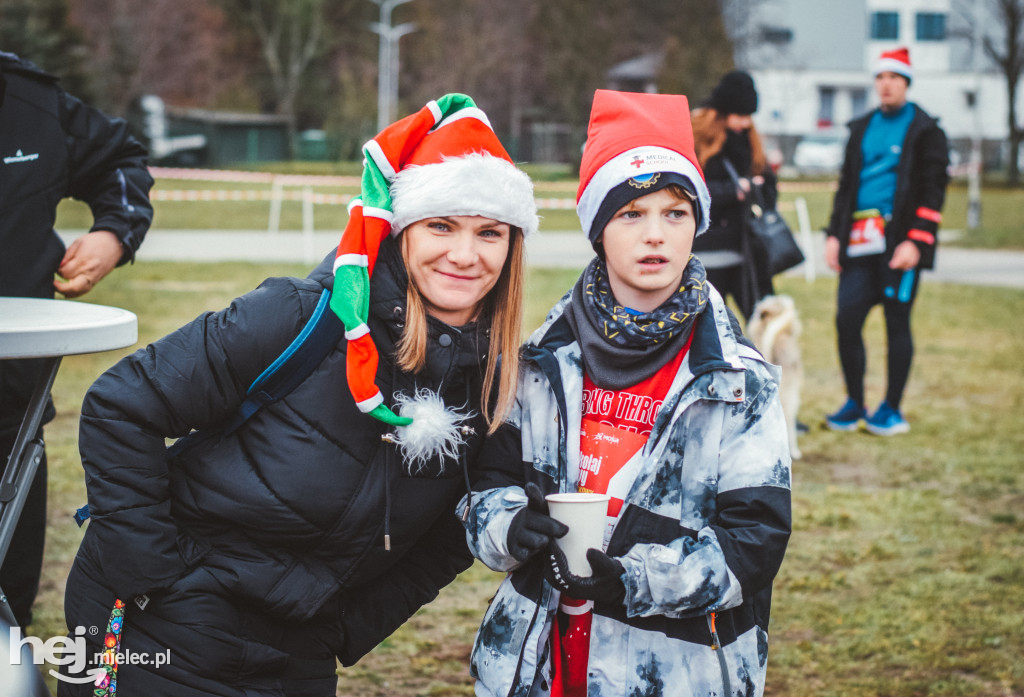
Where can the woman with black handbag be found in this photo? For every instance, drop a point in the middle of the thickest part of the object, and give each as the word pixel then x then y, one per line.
pixel 730 152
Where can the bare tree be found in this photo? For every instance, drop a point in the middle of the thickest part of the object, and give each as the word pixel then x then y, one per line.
pixel 290 36
pixel 172 48
pixel 697 52
pixel 480 48
pixel 1007 52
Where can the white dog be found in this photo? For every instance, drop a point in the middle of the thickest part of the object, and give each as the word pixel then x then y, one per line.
pixel 774 328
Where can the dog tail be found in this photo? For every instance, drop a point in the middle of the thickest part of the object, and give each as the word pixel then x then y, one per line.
pixel 771 331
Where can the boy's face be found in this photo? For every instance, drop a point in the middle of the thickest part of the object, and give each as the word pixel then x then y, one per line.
pixel 647 245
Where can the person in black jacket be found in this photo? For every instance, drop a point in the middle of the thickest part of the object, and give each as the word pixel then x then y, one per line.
pixel 53 146
pixel 253 558
pixel 731 154
pixel 883 231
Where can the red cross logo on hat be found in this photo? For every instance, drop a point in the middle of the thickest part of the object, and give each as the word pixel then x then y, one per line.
pixel 637 161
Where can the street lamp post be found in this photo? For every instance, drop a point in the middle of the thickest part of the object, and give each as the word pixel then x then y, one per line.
pixel 387 60
pixel 393 36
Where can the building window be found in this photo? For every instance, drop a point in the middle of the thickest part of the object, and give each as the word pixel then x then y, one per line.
pixel 776 35
pixel 885 25
pixel 858 101
pixel 826 106
pixel 931 26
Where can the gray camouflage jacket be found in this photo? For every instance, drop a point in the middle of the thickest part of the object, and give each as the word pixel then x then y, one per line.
pixel 703 530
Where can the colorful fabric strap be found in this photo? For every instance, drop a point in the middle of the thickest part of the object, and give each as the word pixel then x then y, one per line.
pixel 106 682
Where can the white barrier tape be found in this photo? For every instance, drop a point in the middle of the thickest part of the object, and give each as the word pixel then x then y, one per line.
pixel 801 187
pixel 248 195
pixel 298 195
pixel 227 175
pixel 242 177
pixel 561 204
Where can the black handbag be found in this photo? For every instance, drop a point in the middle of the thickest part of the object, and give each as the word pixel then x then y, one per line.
pixel 774 242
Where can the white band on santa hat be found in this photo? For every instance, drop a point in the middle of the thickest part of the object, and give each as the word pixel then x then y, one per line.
pixel 474 184
pixel 892 65
pixel 638 162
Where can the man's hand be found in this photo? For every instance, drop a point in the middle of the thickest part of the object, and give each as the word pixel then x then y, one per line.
pixel 905 257
pixel 832 253
pixel 87 261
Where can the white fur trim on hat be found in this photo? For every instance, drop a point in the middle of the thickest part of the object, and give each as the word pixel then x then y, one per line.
pixel 474 184
pixel 635 162
pixel 893 65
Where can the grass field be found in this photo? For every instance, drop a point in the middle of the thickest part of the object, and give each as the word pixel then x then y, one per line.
pixel 905 573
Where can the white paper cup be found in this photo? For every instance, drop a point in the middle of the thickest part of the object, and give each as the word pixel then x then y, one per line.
pixel 585 514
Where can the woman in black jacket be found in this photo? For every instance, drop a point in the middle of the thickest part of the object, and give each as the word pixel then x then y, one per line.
pixel 730 152
pixel 253 557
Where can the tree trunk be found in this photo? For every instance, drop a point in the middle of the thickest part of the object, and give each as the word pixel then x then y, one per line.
pixel 1013 172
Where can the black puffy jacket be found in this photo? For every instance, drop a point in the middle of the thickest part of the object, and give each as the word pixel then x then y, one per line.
pixel 265 548
pixel 53 146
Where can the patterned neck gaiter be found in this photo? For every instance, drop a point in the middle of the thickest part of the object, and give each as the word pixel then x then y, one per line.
pixel 621 349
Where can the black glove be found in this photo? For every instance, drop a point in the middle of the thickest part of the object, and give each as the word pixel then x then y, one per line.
pixel 532 529
pixel 604 585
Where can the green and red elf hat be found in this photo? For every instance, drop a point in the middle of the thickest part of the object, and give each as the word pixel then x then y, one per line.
pixel 443 160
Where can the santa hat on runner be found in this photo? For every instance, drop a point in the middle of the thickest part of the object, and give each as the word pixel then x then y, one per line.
pixel 895 61
pixel 637 144
pixel 443 160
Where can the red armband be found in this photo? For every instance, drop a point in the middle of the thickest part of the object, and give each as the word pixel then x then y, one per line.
pixel 921 236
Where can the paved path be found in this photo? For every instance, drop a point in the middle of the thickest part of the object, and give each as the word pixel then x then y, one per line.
pixel 562 249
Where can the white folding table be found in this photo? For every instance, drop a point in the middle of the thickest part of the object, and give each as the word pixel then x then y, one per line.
pixel 48 330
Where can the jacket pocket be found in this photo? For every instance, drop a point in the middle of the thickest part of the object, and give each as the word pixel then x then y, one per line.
pixel 280 586
pixel 501 639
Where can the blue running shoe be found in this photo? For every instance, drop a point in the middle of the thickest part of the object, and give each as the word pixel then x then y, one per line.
pixel 847 418
pixel 887 421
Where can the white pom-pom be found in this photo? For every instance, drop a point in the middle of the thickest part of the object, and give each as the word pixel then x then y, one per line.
pixel 434 429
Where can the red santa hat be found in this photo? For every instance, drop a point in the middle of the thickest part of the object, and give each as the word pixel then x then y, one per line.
pixel 895 61
pixel 642 141
pixel 443 160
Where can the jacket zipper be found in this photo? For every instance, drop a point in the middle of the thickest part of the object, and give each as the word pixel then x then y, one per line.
pixel 716 646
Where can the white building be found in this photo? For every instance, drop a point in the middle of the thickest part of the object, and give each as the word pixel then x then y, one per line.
pixel 812 62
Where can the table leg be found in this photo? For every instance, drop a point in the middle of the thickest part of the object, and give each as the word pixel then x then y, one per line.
pixel 22 465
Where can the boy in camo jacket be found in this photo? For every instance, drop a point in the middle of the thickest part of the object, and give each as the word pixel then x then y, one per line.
pixel 638 385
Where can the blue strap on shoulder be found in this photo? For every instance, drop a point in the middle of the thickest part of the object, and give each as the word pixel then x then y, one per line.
pixel 321 334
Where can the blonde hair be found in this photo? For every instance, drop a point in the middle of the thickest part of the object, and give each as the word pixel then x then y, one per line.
pixel 709 137
pixel 504 305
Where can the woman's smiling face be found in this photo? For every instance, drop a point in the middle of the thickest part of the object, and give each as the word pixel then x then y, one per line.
pixel 454 261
